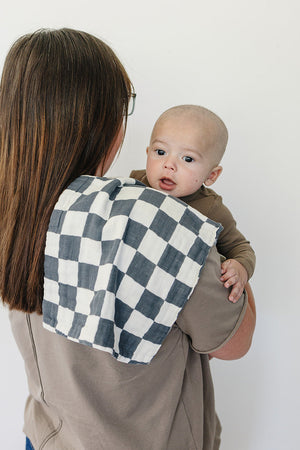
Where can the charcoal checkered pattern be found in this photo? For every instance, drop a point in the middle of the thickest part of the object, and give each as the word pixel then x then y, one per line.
pixel 121 260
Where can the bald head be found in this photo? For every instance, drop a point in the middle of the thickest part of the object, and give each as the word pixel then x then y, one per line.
pixel 213 130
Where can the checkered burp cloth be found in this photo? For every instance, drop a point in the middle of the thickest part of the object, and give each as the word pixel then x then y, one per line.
pixel 121 260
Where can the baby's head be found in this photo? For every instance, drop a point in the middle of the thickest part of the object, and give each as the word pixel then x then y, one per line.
pixel 186 146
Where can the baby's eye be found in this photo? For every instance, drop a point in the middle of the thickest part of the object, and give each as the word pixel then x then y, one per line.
pixel 160 152
pixel 188 159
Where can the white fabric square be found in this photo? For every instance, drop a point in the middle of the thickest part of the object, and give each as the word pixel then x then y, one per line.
pixel 114 229
pixel 88 332
pixel 127 180
pixel 124 257
pixel 90 251
pixel 129 291
pixel 208 233
pixel 152 246
pixel 68 272
pixel 145 351
pixel 173 209
pixel 108 307
pixel 101 206
pixel 64 320
pixel 51 291
pixel 157 287
pixel 94 186
pixel 129 192
pixel 66 200
pixel 182 239
pixel 102 277
pixel 149 212
pixel 83 301
pixel 74 223
pixel 189 273
pixel 138 324
pixel 52 244
pixel 168 314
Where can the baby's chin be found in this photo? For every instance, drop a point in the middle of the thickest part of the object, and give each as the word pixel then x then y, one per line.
pixel 180 192
pixel 174 192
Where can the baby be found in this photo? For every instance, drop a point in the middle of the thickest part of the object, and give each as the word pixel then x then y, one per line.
pixel 186 146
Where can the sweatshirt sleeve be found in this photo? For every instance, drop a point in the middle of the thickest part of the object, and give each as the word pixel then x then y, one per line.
pixel 231 242
pixel 209 318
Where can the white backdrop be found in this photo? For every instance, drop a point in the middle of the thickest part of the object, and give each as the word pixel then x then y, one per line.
pixel 240 59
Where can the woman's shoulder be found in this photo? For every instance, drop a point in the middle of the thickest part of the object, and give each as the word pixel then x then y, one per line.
pixel 127 197
pixel 87 190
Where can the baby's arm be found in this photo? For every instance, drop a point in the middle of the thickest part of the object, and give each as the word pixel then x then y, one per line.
pixel 234 274
pixel 240 257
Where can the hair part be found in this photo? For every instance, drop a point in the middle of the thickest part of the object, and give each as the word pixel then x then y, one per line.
pixel 63 95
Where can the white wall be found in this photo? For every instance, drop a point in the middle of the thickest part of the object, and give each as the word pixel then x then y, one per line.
pixel 241 59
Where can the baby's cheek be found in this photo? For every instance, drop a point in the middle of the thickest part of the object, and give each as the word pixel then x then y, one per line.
pixel 195 183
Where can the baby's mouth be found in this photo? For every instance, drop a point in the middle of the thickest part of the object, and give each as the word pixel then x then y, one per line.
pixel 166 184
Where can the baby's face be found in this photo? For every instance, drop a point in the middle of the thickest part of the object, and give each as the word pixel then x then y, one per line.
pixel 178 160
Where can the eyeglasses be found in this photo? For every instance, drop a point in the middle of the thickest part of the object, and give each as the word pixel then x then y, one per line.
pixel 131 103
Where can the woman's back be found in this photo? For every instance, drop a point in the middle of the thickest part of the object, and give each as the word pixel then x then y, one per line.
pixel 82 398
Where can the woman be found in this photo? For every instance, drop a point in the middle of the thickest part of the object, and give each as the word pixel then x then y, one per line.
pixel 106 263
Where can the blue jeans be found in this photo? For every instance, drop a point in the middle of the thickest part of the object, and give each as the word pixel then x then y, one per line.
pixel 28 444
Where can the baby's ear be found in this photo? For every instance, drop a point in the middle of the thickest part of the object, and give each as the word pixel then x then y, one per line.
pixel 147 150
pixel 213 176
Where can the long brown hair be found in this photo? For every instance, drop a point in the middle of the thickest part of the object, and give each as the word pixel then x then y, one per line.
pixel 63 95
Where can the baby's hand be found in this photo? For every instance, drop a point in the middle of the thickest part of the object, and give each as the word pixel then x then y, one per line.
pixel 235 275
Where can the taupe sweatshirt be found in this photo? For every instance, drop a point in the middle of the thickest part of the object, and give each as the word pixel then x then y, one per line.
pixel 81 398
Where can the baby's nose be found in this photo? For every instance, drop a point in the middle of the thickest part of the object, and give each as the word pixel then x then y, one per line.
pixel 170 164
